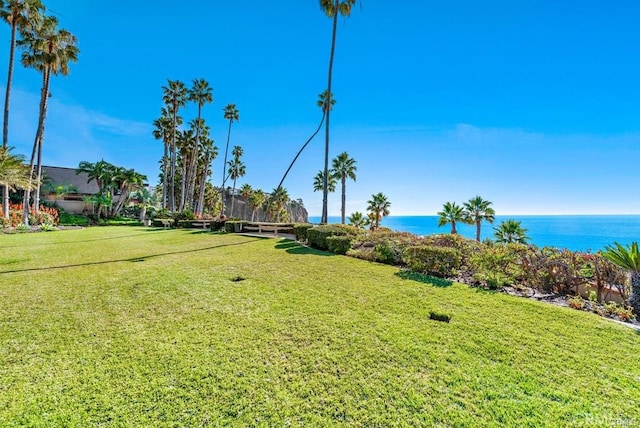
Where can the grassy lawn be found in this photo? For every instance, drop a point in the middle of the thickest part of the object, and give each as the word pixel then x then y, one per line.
pixel 139 327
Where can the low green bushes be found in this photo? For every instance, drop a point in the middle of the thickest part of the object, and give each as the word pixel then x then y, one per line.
pixel 67 219
pixel 230 225
pixel 437 261
pixel 339 244
pixel 300 230
pixel 317 236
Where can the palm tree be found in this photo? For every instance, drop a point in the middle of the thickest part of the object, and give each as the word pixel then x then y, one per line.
pixel 101 172
pixel 184 143
pixel 124 182
pixel 378 206
pixel 451 213
pixel 200 93
pixel 163 130
pixel 357 219
pixel 324 105
pixel 174 96
pixel 256 200
pixel 332 8
pixel 232 114
pixel 23 16
pixel 210 152
pixel 627 258
pixel 245 191
pixel 14 174
pixel 277 200
pixel 344 167
pixel 318 182
pixel 477 210
pixel 236 170
pixel 511 231
pixel 49 51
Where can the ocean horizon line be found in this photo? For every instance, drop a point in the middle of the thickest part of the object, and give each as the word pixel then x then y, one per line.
pixel 504 215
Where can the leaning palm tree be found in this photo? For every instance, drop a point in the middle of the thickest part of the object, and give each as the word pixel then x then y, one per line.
pixel 477 210
pixel 344 167
pixel 174 96
pixel 332 8
pixel 378 206
pixel 325 103
pixel 231 114
pixel 511 231
pixel 49 51
pixel 318 182
pixel 357 219
pixel 627 258
pixel 200 93
pixel 451 213
pixel 22 16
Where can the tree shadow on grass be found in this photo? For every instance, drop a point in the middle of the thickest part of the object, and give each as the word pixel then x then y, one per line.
pixel 293 247
pixel 425 279
pixel 131 259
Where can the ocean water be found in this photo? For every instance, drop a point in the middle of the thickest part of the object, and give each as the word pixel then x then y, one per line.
pixel 574 232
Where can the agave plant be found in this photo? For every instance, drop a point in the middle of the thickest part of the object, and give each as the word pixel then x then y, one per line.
pixel 627 258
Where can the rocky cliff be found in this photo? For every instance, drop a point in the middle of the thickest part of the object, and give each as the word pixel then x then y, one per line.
pixel 242 210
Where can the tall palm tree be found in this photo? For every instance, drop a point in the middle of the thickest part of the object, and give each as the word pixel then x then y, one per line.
pixel 22 16
pixel 163 130
pixel 318 182
pixel 210 152
pixel 627 258
pixel 245 191
pixel 232 114
pixel 200 93
pixel 379 206
pixel 477 210
pixel 324 105
pixel 511 231
pixel 236 170
pixel 451 213
pixel 357 219
pixel 344 167
pixel 174 96
pixel 332 8
pixel 49 51
pixel 184 149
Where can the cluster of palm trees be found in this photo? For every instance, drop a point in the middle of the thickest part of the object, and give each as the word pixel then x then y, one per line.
pixel 476 211
pixel 188 153
pixel 115 186
pixel 49 50
pixel 377 208
pixel 343 167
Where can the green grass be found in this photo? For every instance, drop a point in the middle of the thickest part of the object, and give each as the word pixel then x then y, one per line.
pixel 144 327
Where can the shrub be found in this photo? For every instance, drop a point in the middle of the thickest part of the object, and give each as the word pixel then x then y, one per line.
pixel 184 215
pixel 317 236
pixel 217 225
pixel 439 317
pixel 437 261
pixel 383 245
pixel 300 230
pixel 339 244
pixel 230 225
pixel 47 227
pixel 22 228
pixel 576 302
pixel 66 219
pixel 496 266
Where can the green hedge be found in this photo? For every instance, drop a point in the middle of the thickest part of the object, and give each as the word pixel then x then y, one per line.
pixel 437 261
pixel 339 244
pixel 300 230
pixel 66 219
pixel 317 236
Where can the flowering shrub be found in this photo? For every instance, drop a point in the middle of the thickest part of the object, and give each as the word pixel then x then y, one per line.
pixel 45 215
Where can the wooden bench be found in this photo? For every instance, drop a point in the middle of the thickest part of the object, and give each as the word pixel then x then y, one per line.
pixel 266 227
pixel 205 224
pixel 165 223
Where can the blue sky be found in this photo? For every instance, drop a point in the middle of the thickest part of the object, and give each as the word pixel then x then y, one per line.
pixel 532 105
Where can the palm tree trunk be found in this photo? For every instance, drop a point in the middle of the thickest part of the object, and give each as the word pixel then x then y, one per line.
pixel 325 190
pixel 172 166
pixel 203 184
pixel 454 231
pixel 478 231
pixel 233 197
pixel 5 125
pixel 164 174
pixel 183 185
pixel 194 162
pixel 224 166
pixel 36 143
pixel 344 196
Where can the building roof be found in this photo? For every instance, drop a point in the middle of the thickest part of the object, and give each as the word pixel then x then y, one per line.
pixel 59 175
